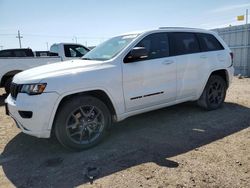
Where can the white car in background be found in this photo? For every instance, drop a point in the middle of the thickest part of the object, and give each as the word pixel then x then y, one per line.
pixel 124 76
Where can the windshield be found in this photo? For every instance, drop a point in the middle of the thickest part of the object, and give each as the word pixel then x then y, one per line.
pixel 109 48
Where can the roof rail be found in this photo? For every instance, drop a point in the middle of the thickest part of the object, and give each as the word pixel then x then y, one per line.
pixel 176 28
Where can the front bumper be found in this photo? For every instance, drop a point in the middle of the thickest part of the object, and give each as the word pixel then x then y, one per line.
pixel 41 107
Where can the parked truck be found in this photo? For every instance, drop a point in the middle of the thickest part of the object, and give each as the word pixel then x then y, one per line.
pixel 13 61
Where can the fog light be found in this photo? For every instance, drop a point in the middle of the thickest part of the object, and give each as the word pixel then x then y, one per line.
pixel 25 114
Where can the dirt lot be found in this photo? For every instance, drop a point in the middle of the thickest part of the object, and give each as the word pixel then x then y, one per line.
pixel 179 146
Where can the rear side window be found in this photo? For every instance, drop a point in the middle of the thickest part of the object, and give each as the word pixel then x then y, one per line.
pixel 156 44
pixel 183 43
pixel 209 43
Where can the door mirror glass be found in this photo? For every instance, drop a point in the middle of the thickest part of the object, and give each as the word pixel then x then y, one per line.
pixel 136 54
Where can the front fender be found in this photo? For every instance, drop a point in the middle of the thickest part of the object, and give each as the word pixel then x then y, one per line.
pixel 68 93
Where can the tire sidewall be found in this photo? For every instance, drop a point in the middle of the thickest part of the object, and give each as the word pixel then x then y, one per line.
pixel 67 108
pixel 210 81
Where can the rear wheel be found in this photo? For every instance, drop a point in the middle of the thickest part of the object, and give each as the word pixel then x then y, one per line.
pixel 82 122
pixel 7 85
pixel 214 93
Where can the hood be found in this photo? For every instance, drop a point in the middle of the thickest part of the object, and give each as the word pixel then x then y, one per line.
pixel 55 69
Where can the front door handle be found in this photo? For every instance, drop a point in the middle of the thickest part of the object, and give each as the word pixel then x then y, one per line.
pixel 167 62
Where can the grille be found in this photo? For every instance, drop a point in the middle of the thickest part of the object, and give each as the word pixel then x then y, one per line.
pixel 15 89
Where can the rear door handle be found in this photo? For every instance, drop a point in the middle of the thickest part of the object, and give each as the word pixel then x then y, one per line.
pixel 167 62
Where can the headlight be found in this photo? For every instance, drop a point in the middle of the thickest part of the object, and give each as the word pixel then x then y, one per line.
pixel 33 89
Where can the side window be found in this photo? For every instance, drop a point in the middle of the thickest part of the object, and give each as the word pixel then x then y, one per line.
pixel 209 43
pixel 183 43
pixel 156 45
pixel 74 51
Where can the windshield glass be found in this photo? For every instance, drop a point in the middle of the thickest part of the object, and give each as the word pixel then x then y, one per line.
pixel 109 48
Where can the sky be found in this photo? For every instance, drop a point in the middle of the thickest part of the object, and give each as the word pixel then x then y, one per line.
pixel 90 22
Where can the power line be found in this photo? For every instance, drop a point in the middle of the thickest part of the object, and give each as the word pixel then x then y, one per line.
pixel 55 36
pixel 3 34
pixel 75 38
pixel 47 45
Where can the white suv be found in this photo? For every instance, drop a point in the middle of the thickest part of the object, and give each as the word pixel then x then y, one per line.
pixel 124 76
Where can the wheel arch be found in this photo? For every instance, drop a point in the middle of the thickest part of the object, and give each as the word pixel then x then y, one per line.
pixel 98 93
pixel 220 72
pixel 223 73
pixel 8 75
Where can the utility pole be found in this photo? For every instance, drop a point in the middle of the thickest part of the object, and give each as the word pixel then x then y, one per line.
pixel 47 44
pixel 19 38
pixel 74 39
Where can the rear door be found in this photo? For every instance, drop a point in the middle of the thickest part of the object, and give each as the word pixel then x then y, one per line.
pixel 189 62
pixel 151 81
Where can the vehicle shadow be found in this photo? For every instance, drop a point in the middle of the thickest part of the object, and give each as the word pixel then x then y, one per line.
pixel 150 137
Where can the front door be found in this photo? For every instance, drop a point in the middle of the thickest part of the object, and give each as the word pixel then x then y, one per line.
pixel 151 81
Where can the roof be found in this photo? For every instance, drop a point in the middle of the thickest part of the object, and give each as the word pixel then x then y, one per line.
pixel 186 29
pixel 183 29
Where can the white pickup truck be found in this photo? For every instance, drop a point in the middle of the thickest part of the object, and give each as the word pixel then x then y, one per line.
pixel 11 64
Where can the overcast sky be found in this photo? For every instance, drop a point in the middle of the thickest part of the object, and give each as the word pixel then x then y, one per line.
pixel 91 21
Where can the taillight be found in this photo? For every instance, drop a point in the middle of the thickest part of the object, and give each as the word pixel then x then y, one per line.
pixel 232 58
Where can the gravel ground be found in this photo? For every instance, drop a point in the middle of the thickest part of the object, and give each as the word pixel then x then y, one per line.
pixel 178 146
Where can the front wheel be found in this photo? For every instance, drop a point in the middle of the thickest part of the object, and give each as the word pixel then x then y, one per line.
pixel 82 122
pixel 214 93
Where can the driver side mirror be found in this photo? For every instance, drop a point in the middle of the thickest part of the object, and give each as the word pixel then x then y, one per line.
pixel 136 54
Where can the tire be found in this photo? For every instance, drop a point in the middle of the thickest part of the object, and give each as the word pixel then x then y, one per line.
pixel 82 122
pixel 7 85
pixel 214 93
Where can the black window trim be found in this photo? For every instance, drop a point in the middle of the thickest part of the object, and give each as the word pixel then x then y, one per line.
pixel 166 32
pixel 200 33
pixel 172 53
pixel 171 46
